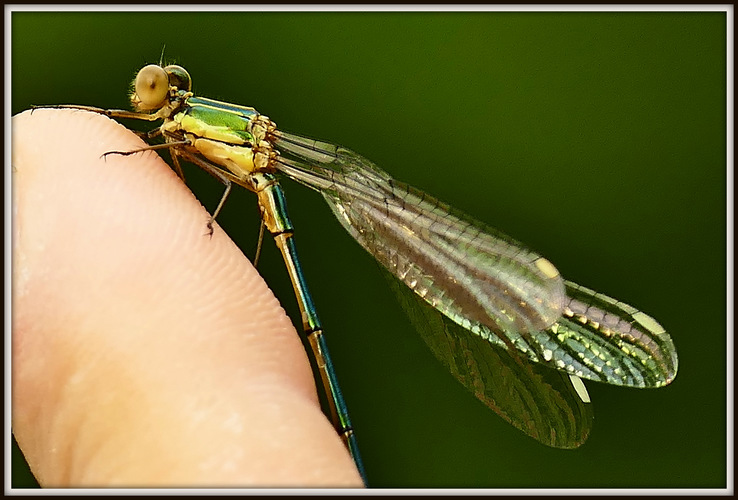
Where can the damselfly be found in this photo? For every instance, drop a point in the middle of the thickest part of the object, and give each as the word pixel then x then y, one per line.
pixel 486 305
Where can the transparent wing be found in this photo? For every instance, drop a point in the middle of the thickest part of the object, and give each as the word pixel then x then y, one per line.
pixel 600 338
pixel 470 272
pixel 481 279
pixel 539 401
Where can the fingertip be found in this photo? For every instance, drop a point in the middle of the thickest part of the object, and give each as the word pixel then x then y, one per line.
pixel 142 349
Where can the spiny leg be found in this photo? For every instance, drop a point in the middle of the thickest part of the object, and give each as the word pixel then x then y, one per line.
pixel 151 134
pixel 216 172
pixel 262 226
pixel 227 179
pixel 112 113
pixel 167 145
pixel 177 166
pixel 171 146
pixel 176 150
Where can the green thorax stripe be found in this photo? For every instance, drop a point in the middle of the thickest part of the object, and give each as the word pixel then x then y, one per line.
pixel 242 111
pixel 219 120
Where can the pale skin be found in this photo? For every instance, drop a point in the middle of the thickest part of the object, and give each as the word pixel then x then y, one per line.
pixel 146 353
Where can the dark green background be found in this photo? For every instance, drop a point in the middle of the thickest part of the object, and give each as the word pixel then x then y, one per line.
pixel 599 139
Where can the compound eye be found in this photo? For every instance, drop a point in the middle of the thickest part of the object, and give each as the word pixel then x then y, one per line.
pixel 179 77
pixel 152 87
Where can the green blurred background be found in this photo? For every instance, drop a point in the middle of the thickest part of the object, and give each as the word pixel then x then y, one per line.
pixel 598 139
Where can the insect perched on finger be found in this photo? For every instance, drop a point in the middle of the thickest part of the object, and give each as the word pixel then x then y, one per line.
pixel 487 306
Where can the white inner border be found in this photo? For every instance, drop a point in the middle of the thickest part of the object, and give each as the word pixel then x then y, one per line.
pixel 9 9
